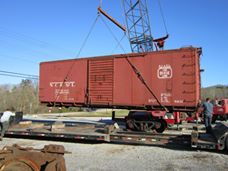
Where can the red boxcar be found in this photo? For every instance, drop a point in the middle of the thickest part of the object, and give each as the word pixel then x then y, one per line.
pixel 110 82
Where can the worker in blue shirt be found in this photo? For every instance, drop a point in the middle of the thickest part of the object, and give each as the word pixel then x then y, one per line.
pixel 207 114
pixel 4 121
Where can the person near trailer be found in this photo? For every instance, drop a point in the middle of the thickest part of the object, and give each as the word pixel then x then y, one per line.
pixel 4 121
pixel 207 114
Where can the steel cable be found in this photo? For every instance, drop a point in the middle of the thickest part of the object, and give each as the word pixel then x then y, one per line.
pixel 163 17
pixel 136 71
pixel 79 52
pixel 90 31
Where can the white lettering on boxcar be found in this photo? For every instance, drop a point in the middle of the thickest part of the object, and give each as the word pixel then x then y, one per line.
pixel 62 92
pixel 57 84
pixel 152 101
pixel 178 101
pixel 164 71
pixel 165 97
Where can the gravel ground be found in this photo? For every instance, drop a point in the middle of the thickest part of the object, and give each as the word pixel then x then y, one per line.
pixel 128 157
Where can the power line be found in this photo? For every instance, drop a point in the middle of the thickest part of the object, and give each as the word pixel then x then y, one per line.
pixel 27 49
pixel 16 74
pixel 38 46
pixel 31 40
pixel 18 59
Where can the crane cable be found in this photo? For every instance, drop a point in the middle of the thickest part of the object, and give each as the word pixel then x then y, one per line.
pixel 136 71
pixel 163 17
pixel 118 43
pixel 90 31
pixel 79 52
pixel 116 39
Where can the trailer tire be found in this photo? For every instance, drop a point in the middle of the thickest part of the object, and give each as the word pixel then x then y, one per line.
pixel 226 143
pixel 162 127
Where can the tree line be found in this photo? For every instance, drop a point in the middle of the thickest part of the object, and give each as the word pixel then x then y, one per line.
pixel 22 97
pixel 25 97
pixel 218 91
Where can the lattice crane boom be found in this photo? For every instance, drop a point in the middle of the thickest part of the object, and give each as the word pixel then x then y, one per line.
pixel 138 25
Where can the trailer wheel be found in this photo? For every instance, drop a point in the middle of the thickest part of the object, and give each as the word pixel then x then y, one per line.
pixel 226 143
pixel 130 124
pixel 162 127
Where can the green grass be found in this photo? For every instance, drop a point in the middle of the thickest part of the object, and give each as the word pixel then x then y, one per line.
pixel 108 113
pixel 97 113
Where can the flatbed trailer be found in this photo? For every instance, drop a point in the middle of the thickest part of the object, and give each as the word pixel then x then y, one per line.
pixel 111 133
pixel 98 132
pixel 50 129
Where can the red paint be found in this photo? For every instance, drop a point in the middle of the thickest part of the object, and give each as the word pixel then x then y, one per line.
pixel 170 121
pixel 158 113
pixel 222 109
pixel 177 117
pixel 173 76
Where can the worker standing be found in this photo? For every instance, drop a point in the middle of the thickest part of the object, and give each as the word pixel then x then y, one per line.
pixel 207 114
pixel 4 121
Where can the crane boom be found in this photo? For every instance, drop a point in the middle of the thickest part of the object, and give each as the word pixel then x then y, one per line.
pixel 100 10
pixel 138 25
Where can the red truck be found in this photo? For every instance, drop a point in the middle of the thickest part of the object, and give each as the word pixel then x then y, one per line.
pixel 220 110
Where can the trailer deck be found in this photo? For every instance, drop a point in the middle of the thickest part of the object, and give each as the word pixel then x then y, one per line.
pixel 111 132
pixel 94 131
pixel 50 129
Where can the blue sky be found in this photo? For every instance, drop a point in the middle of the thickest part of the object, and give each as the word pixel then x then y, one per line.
pixel 32 31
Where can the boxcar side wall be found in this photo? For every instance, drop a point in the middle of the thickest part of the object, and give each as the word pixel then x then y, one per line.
pixel 128 90
pixel 63 82
pixel 173 76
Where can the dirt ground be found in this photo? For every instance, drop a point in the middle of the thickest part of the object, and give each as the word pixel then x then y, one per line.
pixel 115 157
